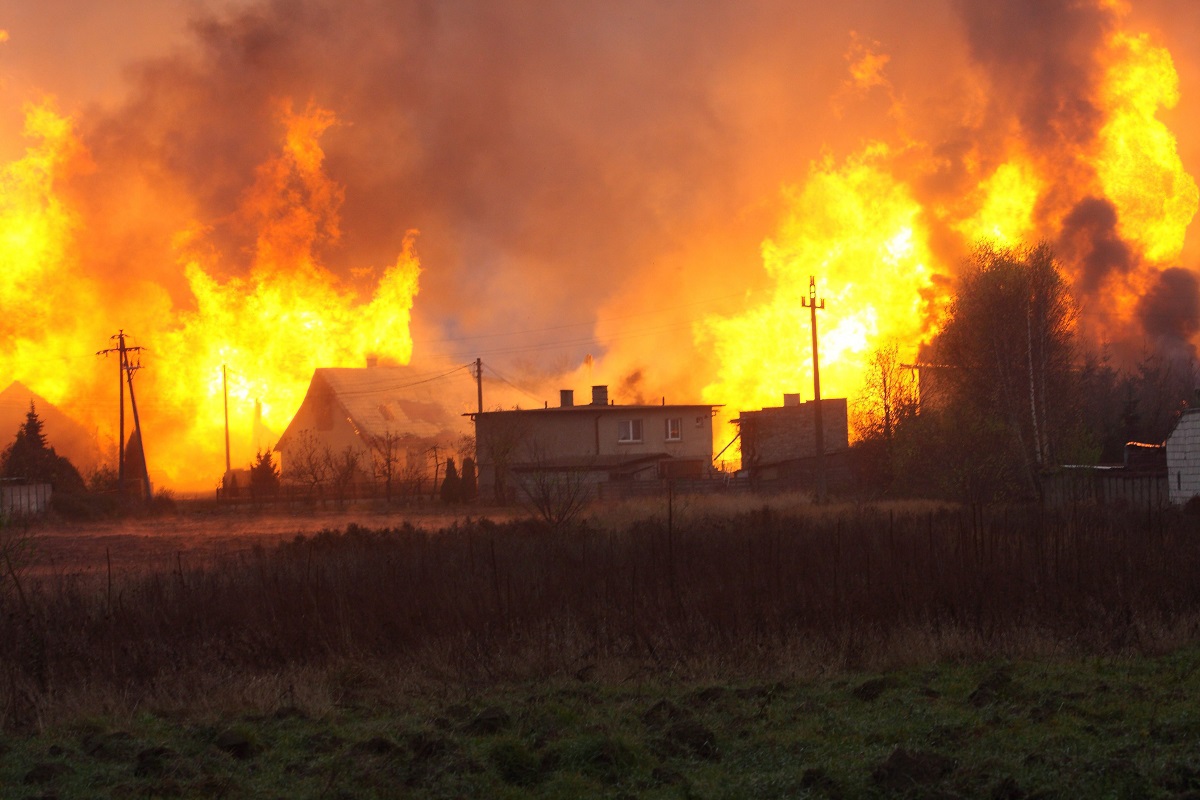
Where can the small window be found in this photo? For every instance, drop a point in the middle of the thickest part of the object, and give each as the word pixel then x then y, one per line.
pixel 629 430
pixel 674 429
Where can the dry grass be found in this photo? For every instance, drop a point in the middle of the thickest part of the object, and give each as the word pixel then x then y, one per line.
pixel 690 509
pixel 719 594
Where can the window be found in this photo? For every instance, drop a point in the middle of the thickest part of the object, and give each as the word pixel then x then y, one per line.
pixel 674 429
pixel 629 431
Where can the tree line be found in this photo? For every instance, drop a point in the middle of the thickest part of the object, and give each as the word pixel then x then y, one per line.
pixel 1008 390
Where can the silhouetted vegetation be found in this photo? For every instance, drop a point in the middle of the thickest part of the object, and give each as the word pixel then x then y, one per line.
pixel 1009 392
pixel 750 591
pixel 264 474
pixel 31 458
pixel 451 491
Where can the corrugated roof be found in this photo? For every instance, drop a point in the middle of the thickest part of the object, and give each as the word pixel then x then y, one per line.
pixel 397 399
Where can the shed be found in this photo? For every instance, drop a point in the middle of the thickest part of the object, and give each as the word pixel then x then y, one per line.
pixel 1183 457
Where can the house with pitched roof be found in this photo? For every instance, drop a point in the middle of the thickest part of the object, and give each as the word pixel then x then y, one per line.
pixel 362 412
pixel 589 445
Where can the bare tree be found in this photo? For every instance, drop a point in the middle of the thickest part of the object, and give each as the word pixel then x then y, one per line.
pixel 556 493
pixel 499 438
pixel 414 473
pixel 313 464
pixel 889 395
pixel 385 458
pixel 343 469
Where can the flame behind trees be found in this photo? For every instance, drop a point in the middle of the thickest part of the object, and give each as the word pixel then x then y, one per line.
pixel 1009 396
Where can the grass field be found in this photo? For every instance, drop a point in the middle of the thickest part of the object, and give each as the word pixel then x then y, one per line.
pixel 692 650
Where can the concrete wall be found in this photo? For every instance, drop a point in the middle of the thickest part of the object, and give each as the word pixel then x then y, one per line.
pixel 1183 458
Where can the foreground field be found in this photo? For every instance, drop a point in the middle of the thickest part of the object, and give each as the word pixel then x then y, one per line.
pixel 679 651
pixel 1094 728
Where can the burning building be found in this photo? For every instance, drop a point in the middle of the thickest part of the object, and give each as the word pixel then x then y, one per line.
pixel 369 414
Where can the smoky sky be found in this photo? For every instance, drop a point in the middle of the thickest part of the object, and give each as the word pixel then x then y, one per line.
pixel 1039 55
pixel 560 157
pixel 529 144
pixel 1170 310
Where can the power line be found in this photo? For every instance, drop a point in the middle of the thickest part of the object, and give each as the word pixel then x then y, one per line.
pixel 503 379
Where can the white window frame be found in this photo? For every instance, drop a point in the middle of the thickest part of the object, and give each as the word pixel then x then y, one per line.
pixel 673 429
pixel 629 431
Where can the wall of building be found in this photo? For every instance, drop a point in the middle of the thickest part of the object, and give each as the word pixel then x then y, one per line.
pixel 784 433
pixel 1183 458
pixel 510 438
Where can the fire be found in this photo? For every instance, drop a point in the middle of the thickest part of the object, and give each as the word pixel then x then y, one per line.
pixel 40 284
pixel 1006 200
pixel 287 317
pixel 860 229
pixel 1088 166
pixel 1138 167
pixel 269 329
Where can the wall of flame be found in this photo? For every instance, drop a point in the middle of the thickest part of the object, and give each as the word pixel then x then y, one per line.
pixel 633 197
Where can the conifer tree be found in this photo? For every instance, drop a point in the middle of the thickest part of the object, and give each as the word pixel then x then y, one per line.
pixel 31 458
pixel 469 487
pixel 452 485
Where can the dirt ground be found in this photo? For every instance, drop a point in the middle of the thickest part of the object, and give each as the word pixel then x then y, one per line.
pixel 184 538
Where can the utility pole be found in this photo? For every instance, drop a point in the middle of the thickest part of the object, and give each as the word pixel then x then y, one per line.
pixel 127 369
pixel 814 305
pixel 225 392
pixel 479 382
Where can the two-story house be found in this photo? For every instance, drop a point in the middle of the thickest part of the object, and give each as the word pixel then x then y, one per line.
pixel 594 443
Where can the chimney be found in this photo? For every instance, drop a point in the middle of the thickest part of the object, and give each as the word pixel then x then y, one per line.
pixel 790 400
pixel 566 398
pixel 372 361
pixel 599 395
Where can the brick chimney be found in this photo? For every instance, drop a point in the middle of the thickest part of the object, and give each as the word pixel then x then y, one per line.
pixel 566 398
pixel 599 395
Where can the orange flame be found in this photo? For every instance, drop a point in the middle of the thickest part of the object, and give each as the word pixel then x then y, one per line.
pixel 860 230
pixel 271 328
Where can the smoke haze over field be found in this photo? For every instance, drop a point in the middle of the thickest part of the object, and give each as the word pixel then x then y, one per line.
pixel 647 183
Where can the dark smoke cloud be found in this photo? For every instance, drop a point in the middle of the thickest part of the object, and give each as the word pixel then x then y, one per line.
pixel 1039 57
pixel 1170 309
pixel 1089 239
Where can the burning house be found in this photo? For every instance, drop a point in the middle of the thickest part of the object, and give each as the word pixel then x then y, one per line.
pixel 363 413
pixel 593 445
pixel 779 444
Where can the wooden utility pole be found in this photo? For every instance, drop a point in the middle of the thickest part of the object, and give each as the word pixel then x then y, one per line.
pixel 126 371
pixel 225 392
pixel 479 382
pixel 813 304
